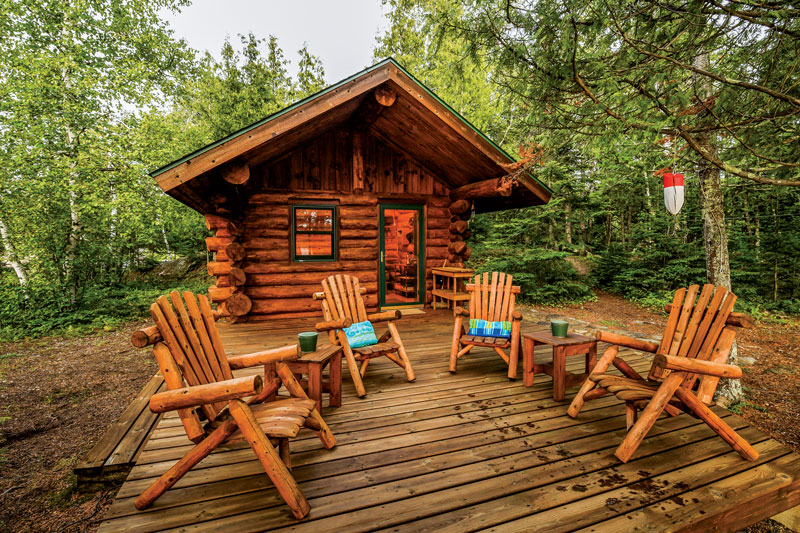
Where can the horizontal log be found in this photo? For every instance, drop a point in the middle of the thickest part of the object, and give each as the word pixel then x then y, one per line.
pixel 490 188
pixel 219 294
pixel 267 233
pixel 740 320
pixel 459 207
pixel 365 277
pixel 359 223
pixel 274 223
pixel 467 234
pixel 320 295
pixel 438 212
pixel 292 291
pixel 358 234
pixel 347 211
pixel 688 364
pixel 205 394
pixel 215 244
pixel 218 268
pixel 145 336
pixel 280 211
pixel 296 305
pixel 282 197
pixel 466 254
pixel 624 340
pixel 342 323
pixel 359 243
pixel 334 267
pixel 443 243
pixel 277 254
pixel 358 254
pixel 252 317
pixel 273 355
pixel 385 316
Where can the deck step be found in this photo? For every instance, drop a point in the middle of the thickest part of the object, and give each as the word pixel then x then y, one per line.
pixel 110 460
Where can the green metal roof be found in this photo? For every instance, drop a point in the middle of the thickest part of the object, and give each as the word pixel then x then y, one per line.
pixel 387 61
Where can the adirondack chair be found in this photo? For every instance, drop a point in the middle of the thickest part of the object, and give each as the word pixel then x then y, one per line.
pixel 492 301
pixel 689 361
pixel 198 376
pixel 342 299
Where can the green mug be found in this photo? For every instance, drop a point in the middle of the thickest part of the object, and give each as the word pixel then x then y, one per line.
pixel 308 341
pixel 559 328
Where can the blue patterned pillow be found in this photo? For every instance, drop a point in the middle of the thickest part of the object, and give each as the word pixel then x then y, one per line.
pixel 483 328
pixel 361 334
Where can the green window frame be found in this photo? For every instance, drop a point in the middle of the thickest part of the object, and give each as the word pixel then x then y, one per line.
pixel 333 232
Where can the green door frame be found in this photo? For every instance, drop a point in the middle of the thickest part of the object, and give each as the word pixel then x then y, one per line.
pixel 421 282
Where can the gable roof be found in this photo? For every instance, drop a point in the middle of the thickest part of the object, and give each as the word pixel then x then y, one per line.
pixel 419 123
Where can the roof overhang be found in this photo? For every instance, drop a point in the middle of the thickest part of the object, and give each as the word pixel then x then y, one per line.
pixel 419 123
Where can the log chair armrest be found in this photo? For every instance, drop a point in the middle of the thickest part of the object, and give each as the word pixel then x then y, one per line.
pixel 386 316
pixel 516 316
pixel 697 366
pixel 629 342
pixel 198 395
pixel 461 311
pixel 262 358
pixel 333 324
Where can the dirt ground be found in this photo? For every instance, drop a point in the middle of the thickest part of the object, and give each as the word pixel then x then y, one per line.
pixel 57 397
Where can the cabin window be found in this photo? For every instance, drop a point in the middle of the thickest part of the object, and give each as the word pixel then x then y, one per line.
pixel 313 233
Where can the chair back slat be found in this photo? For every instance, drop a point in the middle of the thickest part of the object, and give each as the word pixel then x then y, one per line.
pixel 213 334
pixel 493 296
pixel 343 299
pixel 672 321
pixel 700 309
pixel 717 326
pixel 202 334
pixel 492 299
pixel 173 344
pixel 360 306
pixel 203 368
pixel 720 353
pixel 175 380
pixel 351 297
pixel 683 320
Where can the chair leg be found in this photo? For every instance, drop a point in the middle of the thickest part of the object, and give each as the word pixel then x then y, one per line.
pixel 324 433
pixel 601 366
pixel 401 352
pixel 270 459
pixel 513 357
pixel 454 344
pixel 363 370
pixel 352 366
pixel 630 415
pixel 719 426
pixel 286 454
pixel 649 416
pixel 187 462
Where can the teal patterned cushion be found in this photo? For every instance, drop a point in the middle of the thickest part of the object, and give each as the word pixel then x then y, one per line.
pixel 484 328
pixel 361 334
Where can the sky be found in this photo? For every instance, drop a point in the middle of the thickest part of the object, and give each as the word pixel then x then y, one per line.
pixel 340 32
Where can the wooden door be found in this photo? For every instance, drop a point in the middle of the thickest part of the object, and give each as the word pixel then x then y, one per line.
pixel 401 263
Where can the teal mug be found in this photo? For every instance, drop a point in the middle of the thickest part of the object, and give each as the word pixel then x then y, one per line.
pixel 308 341
pixel 559 328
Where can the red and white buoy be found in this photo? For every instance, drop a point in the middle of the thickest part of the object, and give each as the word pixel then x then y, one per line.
pixel 673 192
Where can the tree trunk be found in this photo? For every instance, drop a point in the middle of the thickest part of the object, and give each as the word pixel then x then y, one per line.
pixel 11 254
pixel 75 228
pixel 715 232
pixel 567 224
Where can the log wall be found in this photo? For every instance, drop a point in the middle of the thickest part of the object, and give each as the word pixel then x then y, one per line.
pixel 352 169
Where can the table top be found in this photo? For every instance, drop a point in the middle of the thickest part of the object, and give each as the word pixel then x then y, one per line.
pixel 321 355
pixel 453 272
pixel 545 337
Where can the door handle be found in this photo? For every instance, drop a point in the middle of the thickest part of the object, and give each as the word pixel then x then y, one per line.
pixel 381 256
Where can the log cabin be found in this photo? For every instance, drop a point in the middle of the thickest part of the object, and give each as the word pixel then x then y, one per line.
pixel 374 176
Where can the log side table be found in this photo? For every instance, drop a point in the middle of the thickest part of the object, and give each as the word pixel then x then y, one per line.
pixel 311 364
pixel 572 344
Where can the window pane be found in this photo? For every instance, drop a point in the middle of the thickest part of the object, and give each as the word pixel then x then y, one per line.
pixel 313 219
pixel 313 245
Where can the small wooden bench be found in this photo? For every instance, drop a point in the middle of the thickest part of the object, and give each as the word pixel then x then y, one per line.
pixel 110 460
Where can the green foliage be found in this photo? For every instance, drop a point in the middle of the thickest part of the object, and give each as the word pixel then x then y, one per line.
pixel 544 276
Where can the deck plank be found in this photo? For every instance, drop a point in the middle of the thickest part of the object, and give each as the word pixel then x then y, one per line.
pixel 458 452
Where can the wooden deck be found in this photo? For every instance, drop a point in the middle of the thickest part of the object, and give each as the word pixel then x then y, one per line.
pixel 465 452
